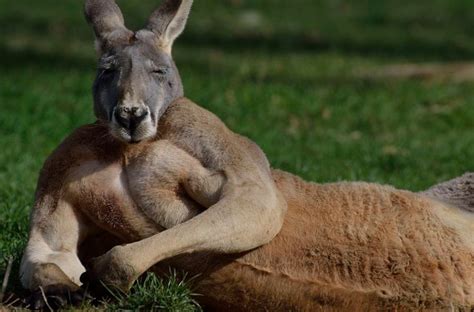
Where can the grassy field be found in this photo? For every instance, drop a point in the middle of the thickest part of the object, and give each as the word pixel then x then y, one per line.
pixel 298 77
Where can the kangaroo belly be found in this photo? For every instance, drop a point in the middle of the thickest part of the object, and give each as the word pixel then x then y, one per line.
pixel 352 245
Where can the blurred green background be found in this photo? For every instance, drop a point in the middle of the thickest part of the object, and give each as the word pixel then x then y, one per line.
pixel 374 90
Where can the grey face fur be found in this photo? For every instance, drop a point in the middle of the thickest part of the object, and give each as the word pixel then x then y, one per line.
pixel 136 78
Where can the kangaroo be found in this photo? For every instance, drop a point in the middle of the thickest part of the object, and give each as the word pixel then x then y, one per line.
pixel 136 83
pixel 158 181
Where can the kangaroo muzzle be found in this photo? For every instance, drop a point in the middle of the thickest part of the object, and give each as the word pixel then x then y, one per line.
pixel 130 117
pixel 132 123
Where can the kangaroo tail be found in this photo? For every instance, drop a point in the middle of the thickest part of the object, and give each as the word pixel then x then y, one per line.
pixel 458 192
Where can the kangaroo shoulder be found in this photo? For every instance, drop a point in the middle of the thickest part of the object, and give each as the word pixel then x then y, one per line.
pixel 89 142
pixel 202 134
pixel 185 115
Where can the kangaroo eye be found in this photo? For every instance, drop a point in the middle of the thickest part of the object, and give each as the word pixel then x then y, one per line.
pixel 160 71
pixel 107 72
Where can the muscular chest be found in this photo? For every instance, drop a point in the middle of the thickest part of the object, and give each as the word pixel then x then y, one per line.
pixel 100 190
pixel 132 194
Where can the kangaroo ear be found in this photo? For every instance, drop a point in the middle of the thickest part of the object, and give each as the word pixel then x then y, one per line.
pixel 107 20
pixel 168 21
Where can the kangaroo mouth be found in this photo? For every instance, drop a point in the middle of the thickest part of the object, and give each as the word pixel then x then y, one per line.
pixel 143 131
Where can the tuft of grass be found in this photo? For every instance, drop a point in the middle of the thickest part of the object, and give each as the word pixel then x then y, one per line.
pixel 155 294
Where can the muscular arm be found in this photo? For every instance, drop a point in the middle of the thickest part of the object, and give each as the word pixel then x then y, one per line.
pixel 248 211
pixel 171 186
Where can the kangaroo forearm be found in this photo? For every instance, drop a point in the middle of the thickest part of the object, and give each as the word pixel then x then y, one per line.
pixel 53 239
pixel 236 226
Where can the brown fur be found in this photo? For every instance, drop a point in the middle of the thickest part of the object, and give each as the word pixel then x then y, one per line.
pixel 92 178
pixel 353 246
pixel 343 246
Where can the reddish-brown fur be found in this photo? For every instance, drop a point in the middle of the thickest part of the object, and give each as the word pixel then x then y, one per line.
pixel 389 252
pixel 343 246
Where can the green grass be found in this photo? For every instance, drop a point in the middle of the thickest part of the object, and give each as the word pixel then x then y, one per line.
pixel 154 294
pixel 281 72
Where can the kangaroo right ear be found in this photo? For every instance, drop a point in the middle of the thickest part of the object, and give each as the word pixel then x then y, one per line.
pixel 108 23
pixel 169 20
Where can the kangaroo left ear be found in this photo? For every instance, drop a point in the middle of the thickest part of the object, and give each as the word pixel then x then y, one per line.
pixel 169 20
pixel 107 21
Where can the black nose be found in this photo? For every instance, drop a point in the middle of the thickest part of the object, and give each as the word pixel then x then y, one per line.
pixel 130 117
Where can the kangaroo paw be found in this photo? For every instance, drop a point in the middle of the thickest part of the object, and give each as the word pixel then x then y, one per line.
pixel 111 270
pixel 54 289
pixel 55 297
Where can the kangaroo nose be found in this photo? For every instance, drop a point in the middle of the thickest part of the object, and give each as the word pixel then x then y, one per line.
pixel 130 117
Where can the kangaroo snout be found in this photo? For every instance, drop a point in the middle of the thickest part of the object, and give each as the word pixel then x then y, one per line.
pixel 129 117
pixel 132 123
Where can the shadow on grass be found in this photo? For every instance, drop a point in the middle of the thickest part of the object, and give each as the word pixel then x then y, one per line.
pixel 22 59
pixel 410 48
pixel 415 49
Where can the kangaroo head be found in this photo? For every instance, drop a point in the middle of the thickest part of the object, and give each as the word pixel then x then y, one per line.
pixel 136 78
